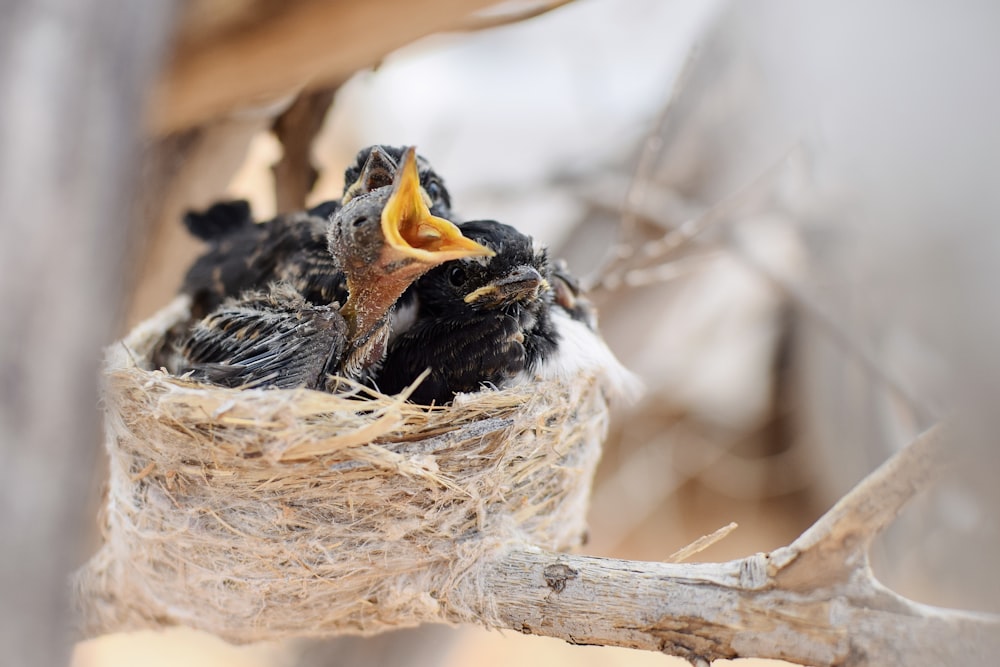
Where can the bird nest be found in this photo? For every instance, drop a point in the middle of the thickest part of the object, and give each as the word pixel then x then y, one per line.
pixel 262 514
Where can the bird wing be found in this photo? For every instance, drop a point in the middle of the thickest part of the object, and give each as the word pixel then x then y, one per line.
pixel 462 353
pixel 253 256
pixel 314 274
pixel 266 339
pixel 219 220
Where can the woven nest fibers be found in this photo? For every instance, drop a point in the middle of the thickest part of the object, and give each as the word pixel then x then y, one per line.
pixel 263 514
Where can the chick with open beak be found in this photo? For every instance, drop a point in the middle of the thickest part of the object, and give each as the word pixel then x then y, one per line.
pixel 382 241
pixel 380 261
pixel 292 247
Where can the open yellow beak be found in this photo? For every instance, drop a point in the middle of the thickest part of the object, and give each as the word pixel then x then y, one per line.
pixel 411 231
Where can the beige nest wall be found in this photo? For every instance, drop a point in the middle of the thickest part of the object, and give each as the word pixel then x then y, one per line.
pixel 261 514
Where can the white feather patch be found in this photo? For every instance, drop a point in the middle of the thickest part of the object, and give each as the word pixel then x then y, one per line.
pixel 580 349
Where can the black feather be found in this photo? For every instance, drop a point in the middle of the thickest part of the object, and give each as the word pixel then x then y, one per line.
pixel 219 220
pixel 270 338
pixel 290 248
pixel 276 337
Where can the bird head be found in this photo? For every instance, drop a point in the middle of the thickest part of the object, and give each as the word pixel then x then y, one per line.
pixel 376 166
pixel 517 278
pixel 385 239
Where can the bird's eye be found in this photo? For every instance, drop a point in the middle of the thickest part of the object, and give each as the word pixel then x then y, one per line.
pixel 456 276
pixel 360 221
pixel 433 190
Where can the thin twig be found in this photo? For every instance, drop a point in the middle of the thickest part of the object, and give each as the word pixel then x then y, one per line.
pixel 874 503
pixel 296 129
pixel 815 602
pixel 612 277
pixel 651 275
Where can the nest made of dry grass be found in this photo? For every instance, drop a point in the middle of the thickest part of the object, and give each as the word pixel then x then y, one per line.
pixel 261 514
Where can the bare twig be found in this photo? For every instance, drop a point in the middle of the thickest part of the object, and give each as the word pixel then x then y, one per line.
pixel 845 532
pixel 659 273
pixel 623 272
pixel 302 44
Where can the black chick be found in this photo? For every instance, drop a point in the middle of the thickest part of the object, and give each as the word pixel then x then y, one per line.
pixel 360 175
pixel 478 321
pixel 382 241
pixel 293 247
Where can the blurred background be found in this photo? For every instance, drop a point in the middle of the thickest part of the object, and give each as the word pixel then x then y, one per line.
pixel 786 213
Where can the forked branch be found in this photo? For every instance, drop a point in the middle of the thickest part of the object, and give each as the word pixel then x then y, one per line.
pixel 814 602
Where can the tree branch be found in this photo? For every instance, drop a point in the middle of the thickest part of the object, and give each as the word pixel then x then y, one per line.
pixel 815 602
pixel 295 174
pixel 489 22
pixel 846 531
pixel 782 605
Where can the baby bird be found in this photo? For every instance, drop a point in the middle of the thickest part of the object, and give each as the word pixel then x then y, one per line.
pixel 382 241
pixel 293 247
pixel 478 321
pixel 497 322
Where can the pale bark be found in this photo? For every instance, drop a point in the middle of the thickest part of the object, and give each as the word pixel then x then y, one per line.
pixel 814 602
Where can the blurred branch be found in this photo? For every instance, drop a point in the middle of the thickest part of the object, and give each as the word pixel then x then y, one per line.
pixel 476 23
pixel 632 265
pixel 73 74
pixel 294 174
pixel 651 148
pixel 847 341
pixel 629 256
pixel 181 171
pixel 306 44
pixel 814 602
pixel 297 52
